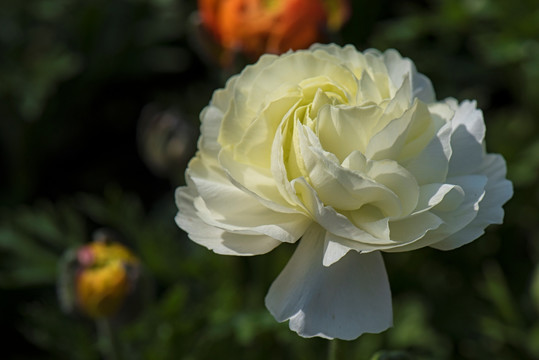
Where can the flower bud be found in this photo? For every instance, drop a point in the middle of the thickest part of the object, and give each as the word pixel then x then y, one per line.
pixel 97 278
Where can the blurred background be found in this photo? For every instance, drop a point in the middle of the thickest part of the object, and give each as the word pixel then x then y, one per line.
pixel 99 104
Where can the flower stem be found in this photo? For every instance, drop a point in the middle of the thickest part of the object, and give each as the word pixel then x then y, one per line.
pixel 332 349
pixel 107 340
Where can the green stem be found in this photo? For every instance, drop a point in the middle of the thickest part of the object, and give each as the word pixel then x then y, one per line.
pixel 107 340
pixel 332 349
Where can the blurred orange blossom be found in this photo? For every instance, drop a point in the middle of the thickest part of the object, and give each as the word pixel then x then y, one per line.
pixel 255 27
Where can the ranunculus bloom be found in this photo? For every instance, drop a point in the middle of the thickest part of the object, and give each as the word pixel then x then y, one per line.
pixel 352 153
pixel 255 27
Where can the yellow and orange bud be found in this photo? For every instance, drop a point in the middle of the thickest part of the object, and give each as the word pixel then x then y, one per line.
pixel 104 278
pixel 255 27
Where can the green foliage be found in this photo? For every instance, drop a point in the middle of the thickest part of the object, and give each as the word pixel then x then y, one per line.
pixel 33 239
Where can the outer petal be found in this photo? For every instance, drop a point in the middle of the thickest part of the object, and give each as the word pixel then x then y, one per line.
pixel 431 164
pixel 453 220
pixel 214 238
pixel 344 300
pixel 333 221
pixel 497 191
pixel 210 119
pixel 221 204
pixel 399 68
pixel 466 140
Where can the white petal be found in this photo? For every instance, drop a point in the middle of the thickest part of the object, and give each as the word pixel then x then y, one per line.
pixel 413 227
pixel 344 300
pixel 400 68
pixel 344 129
pixel 342 188
pixel 445 197
pixel 210 121
pixel 423 88
pixel 256 181
pixel 466 140
pixel 372 220
pixel 238 112
pixel 404 137
pixel 369 91
pixel 455 219
pixel 221 98
pixel 397 179
pixel 289 71
pixel 223 205
pixel 348 55
pixel 335 247
pixel 279 172
pixel 330 219
pixel 256 143
pixel 470 117
pixel 432 164
pixel 216 239
pixel 497 191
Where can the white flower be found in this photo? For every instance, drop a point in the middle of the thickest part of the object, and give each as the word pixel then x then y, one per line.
pixel 350 152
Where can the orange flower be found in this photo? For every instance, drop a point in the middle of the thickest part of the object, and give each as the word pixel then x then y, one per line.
pixel 254 27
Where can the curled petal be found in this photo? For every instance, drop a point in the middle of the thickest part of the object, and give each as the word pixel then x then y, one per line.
pixel 466 140
pixel 431 165
pixel 498 191
pixel 400 68
pixel 219 203
pixel 216 239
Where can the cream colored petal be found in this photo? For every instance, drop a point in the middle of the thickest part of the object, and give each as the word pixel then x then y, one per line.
pixel 293 70
pixel 280 173
pixel 413 227
pixel 396 178
pixel 343 129
pixel 446 197
pixel 404 137
pixel 220 203
pixel 339 187
pixel 255 145
pixel 466 140
pixel 432 164
pixel 255 180
pixel 347 55
pixel 375 63
pixel 370 219
pixel 456 219
pixel 467 115
pixel 498 191
pixel 231 209
pixel 391 175
pixel 370 91
pixel 210 118
pixel 216 239
pixel 222 97
pixel 330 219
pixel 400 68
pixel 239 113
pixel 335 247
pixel 344 300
